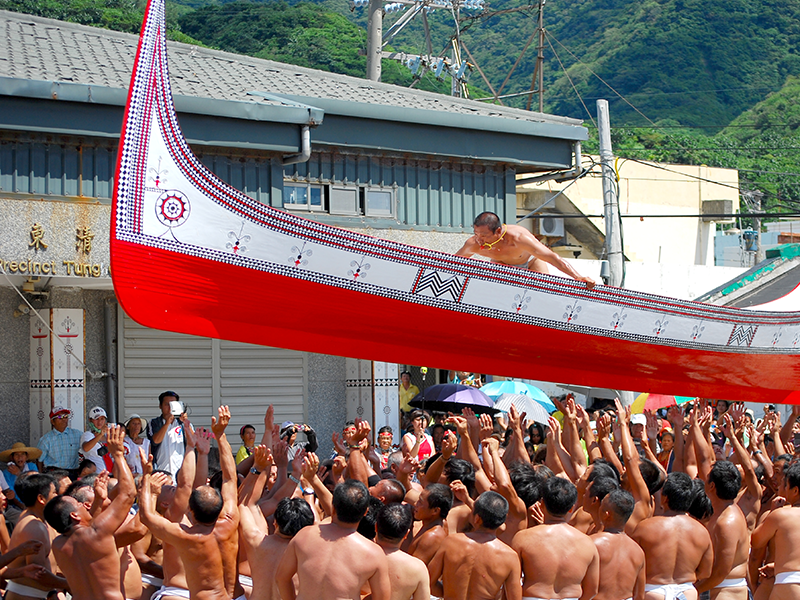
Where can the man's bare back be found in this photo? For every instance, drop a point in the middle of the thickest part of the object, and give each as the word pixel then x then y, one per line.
pixel 782 527
pixel 677 551
pixel 622 570
pixel 30 528
pixel 476 566
pixel 558 561
pixel 333 562
pixel 408 576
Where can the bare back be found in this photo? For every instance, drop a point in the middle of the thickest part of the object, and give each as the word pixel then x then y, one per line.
pixel 408 576
pixel 556 560
pixel 30 527
pixel 334 562
pixel 85 546
pixel 622 569
pixel 677 550
pixel 200 554
pixel 265 558
pixel 477 566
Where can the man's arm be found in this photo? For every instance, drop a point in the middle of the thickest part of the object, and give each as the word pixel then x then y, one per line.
pixel 379 583
pixel 470 247
pixel 705 454
pixel 107 522
pixel 724 545
pixel 630 456
pixel 435 569
pixel 252 524
pixel 230 480
pixel 516 506
pixel 285 572
pixel 786 430
pixel 164 530
pixel 183 486
pixel 482 482
pixel 750 478
pixel 158 436
pixel 359 468
pixel 527 241
pixel 591 581
pixel 513 583
pixel 310 470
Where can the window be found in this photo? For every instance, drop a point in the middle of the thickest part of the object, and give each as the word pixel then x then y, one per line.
pixel 379 203
pixel 304 196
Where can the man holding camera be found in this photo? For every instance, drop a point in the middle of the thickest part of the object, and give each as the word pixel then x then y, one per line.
pixel 166 433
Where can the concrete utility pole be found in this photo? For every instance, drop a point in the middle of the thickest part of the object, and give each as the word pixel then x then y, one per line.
pixel 760 254
pixel 374 40
pixel 613 243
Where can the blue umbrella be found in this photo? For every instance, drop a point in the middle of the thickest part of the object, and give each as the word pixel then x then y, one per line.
pixel 452 397
pixel 496 389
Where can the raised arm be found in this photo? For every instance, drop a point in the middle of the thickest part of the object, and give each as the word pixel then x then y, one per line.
pixel 553 459
pixel 230 481
pixel 630 456
pixel 750 478
pixel 604 443
pixel 788 427
pixel 575 450
pixel 675 417
pixel 449 445
pixel 311 475
pixel 468 453
pixel 704 453
pixel 588 435
pixel 252 524
pixel 202 441
pixel 107 522
pixel 516 449
pixel 159 526
pixel 359 467
pixel 184 484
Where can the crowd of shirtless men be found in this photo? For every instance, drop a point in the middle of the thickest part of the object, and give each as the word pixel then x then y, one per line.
pixel 599 518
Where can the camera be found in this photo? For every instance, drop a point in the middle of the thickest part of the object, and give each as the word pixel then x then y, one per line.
pixel 175 408
pixel 102 451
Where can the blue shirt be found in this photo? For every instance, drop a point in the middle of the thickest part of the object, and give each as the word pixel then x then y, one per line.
pixel 8 479
pixel 60 449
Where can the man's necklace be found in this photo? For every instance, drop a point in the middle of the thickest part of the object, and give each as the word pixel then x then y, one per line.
pixel 490 245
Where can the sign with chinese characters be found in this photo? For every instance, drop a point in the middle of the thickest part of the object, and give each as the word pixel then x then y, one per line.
pixel 57 372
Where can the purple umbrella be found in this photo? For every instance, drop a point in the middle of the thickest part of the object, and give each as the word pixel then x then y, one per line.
pixel 452 397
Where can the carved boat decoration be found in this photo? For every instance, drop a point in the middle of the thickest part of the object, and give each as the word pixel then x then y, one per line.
pixel 303 285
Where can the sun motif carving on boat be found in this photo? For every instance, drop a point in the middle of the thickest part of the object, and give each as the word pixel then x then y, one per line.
pixel 172 208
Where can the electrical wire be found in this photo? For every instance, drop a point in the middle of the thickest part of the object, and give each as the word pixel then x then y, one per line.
pixel 577 93
pixel 67 349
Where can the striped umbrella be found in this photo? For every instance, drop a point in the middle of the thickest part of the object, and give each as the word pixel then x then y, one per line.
pixel 497 388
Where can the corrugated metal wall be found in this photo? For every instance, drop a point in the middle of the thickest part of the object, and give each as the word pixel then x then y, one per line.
pixel 427 193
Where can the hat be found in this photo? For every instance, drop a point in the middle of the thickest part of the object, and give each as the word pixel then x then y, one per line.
pixel 135 416
pixel 638 419
pixel 97 411
pixel 33 453
pixel 286 425
pixel 59 410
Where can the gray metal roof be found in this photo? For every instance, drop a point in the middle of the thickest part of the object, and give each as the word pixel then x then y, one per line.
pixel 36 49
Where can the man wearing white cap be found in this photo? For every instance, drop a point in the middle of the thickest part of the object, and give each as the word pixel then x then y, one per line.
pixel 93 442
pixel 60 445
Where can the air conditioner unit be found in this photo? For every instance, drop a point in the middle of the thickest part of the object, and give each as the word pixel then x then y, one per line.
pixel 551 225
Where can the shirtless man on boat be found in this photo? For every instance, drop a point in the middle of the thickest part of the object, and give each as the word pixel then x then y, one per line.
pixel 514 246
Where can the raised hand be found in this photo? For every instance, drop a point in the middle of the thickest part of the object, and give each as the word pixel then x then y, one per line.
pixel 461 424
pixel 269 418
pixel 219 424
pixel 553 430
pixel 449 445
pixel 297 461
pixel 339 465
pixel 583 418
pixel 603 427
pixel 727 425
pixel 337 444
pixel 736 412
pixel 116 437
pixel 408 466
pixel 147 461
pixel 487 426
pixel 202 440
pixel 623 413
pixel 310 466
pixel 515 419
pixel 459 490
pixel 571 413
pixel 469 415
pixel 675 417
pixel 280 453
pixel 362 432
pixel 490 444
pixel 158 481
pixel 101 485
pixel 262 458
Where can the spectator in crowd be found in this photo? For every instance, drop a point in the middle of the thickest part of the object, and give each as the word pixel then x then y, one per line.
pixel 94 442
pixel 19 458
pixel 166 433
pixel 406 391
pixel 418 443
pixel 134 428
pixel 61 445
pixel 248 435
pixel 385 446
pixel 289 433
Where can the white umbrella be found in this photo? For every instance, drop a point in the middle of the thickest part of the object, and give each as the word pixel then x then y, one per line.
pixel 524 404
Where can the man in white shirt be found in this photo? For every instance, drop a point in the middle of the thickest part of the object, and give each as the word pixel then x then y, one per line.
pixel 166 435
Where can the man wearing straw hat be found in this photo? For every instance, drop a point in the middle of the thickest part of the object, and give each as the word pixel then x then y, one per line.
pixel 17 458
pixel 60 445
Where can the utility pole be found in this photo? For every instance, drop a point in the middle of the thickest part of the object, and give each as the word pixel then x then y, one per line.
pixel 374 39
pixel 613 243
pixel 540 56
pixel 760 254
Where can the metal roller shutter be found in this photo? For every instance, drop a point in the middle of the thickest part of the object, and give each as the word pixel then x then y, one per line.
pixel 208 373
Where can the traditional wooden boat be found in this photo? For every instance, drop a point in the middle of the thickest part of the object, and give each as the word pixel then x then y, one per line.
pixel 179 264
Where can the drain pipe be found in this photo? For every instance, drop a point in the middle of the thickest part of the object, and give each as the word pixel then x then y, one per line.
pixel 305 148
pixel 111 378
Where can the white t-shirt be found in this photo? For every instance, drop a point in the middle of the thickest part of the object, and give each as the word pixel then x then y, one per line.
pixel 132 456
pixel 92 454
pixel 170 451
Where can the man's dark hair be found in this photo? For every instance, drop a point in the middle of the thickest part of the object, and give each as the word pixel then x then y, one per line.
pixel 292 514
pixel 86 463
pixel 726 479
pixel 621 503
pixel 600 487
pixel 437 426
pixel 440 496
pixel 205 504
pixel 488 219
pixel 701 507
pixel 58 474
pixel 678 491
pixel 405 373
pixel 81 490
pixel 350 423
pixel 385 429
pixel 458 469
pixel 792 475
pixel 602 468
pixel 653 476
pixel 559 496
pixel 527 480
pixel 787 458
pixel 350 501
pixel 167 394
pixel 395 491
pixel 492 508
pixel 57 513
pixel 366 526
pixel 394 521
pixel 28 489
